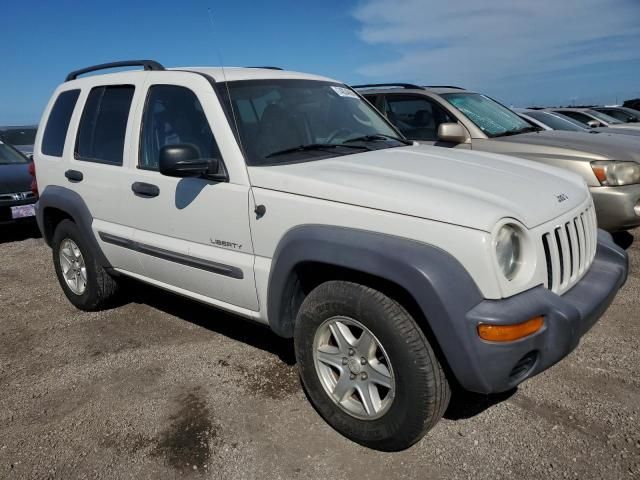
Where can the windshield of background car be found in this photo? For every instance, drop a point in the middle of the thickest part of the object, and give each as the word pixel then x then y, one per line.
pixel 604 117
pixel 9 156
pixel 274 117
pixel 554 122
pixel 488 115
pixel 19 136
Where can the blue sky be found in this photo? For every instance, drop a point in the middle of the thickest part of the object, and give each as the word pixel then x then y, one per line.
pixel 520 52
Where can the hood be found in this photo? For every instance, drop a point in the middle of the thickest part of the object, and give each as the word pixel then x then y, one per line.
pixel 625 126
pixel 15 178
pixel 625 131
pixel 472 189
pixel 584 145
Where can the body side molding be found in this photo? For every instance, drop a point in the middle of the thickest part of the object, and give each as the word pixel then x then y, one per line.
pixel 187 260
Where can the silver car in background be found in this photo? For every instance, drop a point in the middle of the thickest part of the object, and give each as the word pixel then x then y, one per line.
pixel 549 120
pixel 623 114
pixel 453 117
pixel 593 118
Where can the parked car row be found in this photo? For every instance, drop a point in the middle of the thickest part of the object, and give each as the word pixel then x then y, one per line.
pixel 400 269
pixel 579 121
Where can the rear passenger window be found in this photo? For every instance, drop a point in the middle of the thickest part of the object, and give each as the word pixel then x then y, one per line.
pixel 173 115
pixel 104 124
pixel 55 132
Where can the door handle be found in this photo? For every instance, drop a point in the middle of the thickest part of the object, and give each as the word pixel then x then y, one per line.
pixel 145 190
pixel 74 175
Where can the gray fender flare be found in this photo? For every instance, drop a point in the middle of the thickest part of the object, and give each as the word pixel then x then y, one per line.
pixel 72 204
pixel 438 283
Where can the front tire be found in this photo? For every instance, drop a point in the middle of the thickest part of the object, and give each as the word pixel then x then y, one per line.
pixel 367 366
pixel 85 283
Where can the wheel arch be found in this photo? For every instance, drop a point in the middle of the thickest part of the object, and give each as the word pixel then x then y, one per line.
pixel 427 281
pixel 59 203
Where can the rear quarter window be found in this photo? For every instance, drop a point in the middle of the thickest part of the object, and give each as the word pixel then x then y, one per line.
pixel 55 132
pixel 103 125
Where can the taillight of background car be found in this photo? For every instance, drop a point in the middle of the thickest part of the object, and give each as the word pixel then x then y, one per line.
pixel 34 182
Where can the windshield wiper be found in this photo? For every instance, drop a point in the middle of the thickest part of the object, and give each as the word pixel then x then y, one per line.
pixel 313 146
pixel 377 137
pixel 518 131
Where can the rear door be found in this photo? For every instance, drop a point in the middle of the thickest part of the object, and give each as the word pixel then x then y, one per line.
pixel 96 167
pixel 192 234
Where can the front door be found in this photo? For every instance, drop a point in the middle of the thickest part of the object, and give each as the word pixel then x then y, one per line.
pixel 192 234
pixel 416 116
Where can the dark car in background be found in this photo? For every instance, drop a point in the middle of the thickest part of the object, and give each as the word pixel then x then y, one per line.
pixel 21 137
pixel 16 197
pixel 633 104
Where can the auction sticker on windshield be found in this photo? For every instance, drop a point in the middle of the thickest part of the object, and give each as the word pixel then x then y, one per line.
pixel 344 92
pixel 22 211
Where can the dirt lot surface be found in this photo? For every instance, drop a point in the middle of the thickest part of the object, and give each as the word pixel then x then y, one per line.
pixel 161 387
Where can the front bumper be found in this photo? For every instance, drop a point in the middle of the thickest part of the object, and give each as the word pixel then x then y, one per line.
pixel 615 207
pixel 7 203
pixel 496 367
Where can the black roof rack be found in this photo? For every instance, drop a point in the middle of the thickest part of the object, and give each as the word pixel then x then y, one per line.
pixel 444 86
pixel 267 68
pixel 147 64
pixel 401 85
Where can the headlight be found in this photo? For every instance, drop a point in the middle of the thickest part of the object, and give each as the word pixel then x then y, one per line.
pixel 613 173
pixel 509 250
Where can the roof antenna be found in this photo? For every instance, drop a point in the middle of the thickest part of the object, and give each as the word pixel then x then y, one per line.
pixel 226 83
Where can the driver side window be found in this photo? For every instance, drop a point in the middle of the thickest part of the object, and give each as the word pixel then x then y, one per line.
pixel 416 117
pixel 173 115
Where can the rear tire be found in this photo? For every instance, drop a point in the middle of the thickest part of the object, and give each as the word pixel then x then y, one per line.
pixel 85 283
pixel 403 366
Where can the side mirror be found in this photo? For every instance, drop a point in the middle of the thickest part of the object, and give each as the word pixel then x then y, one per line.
pixel 184 160
pixel 593 124
pixel 452 132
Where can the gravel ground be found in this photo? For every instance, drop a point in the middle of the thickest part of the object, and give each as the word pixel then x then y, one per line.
pixel 161 387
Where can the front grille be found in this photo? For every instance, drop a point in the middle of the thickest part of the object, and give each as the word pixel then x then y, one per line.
pixel 16 197
pixel 569 250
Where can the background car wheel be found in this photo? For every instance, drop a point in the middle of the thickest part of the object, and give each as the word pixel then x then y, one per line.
pixel 85 283
pixel 367 366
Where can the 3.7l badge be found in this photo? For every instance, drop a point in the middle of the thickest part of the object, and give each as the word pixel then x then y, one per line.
pixel 562 197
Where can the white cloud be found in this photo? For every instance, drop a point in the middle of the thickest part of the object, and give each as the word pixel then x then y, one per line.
pixel 480 43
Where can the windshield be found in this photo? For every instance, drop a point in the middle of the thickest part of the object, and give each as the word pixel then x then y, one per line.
pixel 488 115
pixel 624 116
pixel 18 136
pixel 10 156
pixel 555 122
pixel 604 117
pixel 285 120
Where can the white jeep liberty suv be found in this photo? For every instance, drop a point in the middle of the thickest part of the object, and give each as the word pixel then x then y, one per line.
pixel 399 270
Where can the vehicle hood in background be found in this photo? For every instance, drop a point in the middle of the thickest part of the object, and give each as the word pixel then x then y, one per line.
pixel 584 145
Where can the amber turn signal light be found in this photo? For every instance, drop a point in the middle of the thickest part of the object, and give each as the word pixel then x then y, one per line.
pixel 509 333
pixel 600 173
